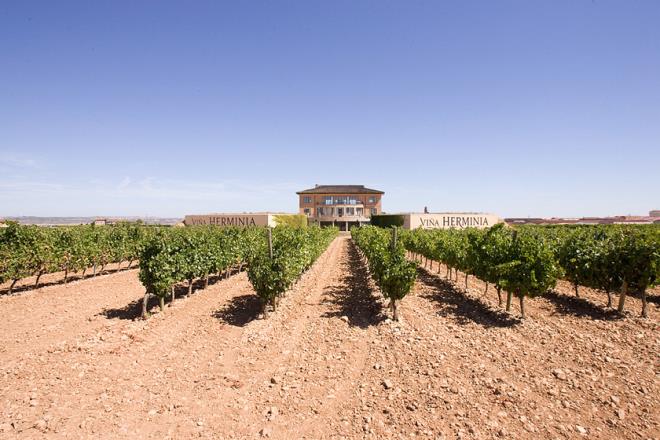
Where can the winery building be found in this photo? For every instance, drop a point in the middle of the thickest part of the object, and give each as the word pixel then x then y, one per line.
pixel 340 205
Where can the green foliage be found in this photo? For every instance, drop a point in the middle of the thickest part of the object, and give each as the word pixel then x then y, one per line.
pixel 391 270
pixel 637 256
pixel 521 262
pixel 495 254
pixel 533 269
pixel 527 260
pixel 293 220
pixel 172 255
pixel 184 254
pixel 387 220
pixel 294 250
pixel 35 250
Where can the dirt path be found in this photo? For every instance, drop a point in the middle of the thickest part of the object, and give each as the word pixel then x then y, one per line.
pixel 202 367
pixel 32 320
pixel 326 365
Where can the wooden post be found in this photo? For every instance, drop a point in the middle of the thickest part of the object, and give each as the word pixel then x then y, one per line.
pixel 273 304
pixel 395 311
pixel 36 283
pixel 145 300
pixel 645 313
pixel 622 296
pixel 270 242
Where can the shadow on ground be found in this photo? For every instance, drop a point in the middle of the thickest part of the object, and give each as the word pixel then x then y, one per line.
pixel 70 279
pixel 465 309
pixel 651 298
pixel 353 297
pixel 133 310
pixel 240 310
pixel 581 307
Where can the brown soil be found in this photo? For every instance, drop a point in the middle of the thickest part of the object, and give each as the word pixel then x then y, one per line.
pixel 327 364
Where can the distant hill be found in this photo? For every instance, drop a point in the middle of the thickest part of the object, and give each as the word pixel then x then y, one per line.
pixel 52 221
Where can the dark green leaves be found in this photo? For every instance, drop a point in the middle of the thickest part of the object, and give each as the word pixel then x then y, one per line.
pixel 389 267
pixel 294 250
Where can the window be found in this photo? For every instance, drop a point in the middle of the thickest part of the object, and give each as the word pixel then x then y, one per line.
pixel 319 211
pixel 359 211
pixel 374 211
pixel 372 199
pixel 328 200
pixel 350 211
pixel 307 200
pixel 307 212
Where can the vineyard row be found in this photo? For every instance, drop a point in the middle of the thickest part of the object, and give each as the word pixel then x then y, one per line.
pixel 527 261
pixel 27 251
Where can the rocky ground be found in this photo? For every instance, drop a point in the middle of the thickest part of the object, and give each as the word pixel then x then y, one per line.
pixel 328 364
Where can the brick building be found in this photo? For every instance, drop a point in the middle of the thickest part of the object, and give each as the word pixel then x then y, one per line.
pixel 340 205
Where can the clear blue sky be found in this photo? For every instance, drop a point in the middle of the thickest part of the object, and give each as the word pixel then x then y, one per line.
pixel 521 108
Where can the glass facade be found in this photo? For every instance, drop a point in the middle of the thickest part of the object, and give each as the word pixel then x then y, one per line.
pixel 341 200
pixel 340 211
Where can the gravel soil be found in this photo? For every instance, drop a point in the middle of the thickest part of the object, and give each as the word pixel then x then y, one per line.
pixel 328 364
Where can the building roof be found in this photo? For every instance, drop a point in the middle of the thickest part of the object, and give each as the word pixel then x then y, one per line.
pixel 340 189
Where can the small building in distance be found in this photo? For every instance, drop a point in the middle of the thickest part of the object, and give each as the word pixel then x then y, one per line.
pixel 340 205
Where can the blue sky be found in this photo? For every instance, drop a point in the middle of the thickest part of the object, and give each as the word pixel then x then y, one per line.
pixel 521 108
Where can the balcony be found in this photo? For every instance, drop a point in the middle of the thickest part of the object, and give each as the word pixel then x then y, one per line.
pixel 343 213
pixel 343 218
pixel 342 202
